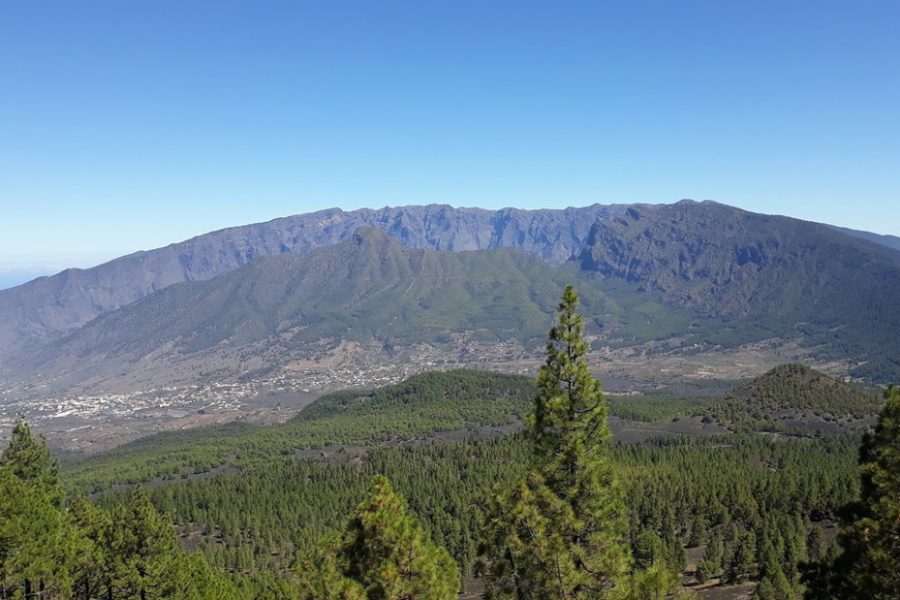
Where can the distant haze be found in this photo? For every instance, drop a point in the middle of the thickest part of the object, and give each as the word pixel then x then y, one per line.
pixel 13 277
pixel 18 269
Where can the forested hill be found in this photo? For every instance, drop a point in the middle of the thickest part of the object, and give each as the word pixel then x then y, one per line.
pixel 457 401
pixel 797 399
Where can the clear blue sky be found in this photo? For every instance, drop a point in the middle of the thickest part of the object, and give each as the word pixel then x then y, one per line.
pixel 127 125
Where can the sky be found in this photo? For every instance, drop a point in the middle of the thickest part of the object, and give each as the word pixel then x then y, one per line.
pixel 128 125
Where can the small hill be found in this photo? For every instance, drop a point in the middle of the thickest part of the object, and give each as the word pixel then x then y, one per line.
pixel 410 411
pixel 797 399
pixel 479 397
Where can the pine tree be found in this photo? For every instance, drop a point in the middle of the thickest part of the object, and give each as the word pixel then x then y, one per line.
pixel 93 526
pixel 321 575
pixel 37 543
pixel 383 555
pixel 706 570
pixel 740 566
pixel 29 460
pixel 774 584
pixel 648 548
pixel 655 583
pixel 699 531
pixel 561 533
pixel 143 551
pixel 870 536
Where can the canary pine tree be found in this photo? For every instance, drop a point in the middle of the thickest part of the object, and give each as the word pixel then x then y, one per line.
pixel 36 540
pixel 384 554
pixel 561 532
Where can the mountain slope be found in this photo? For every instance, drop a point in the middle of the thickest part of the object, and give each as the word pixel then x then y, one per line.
pixel 763 276
pixel 41 309
pixel 369 289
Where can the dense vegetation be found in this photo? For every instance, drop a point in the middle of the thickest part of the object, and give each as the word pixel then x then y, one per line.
pixel 48 550
pixel 681 492
pixel 417 407
pixel 463 401
pixel 384 553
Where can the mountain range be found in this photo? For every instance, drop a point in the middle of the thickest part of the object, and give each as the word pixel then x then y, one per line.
pixel 261 296
pixel 43 308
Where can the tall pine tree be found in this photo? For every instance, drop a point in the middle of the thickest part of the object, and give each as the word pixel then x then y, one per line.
pixel 561 533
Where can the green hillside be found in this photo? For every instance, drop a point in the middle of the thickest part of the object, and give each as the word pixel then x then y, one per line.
pixel 369 289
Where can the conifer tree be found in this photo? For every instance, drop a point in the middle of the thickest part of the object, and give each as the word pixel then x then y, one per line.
pixel 383 555
pixel 561 533
pixel 648 548
pixel 37 542
pixel 93 526
pixel 774 584
pixel 706 570
pixel 28 459
pixel 740 567
pixel 869 566
pixel 143 551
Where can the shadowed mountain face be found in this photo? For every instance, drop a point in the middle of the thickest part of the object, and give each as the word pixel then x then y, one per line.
pixel 43 308
pixel 789 277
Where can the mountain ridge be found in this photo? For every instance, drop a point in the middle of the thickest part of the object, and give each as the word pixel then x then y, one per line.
pixel 773 273
pixel 41 309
